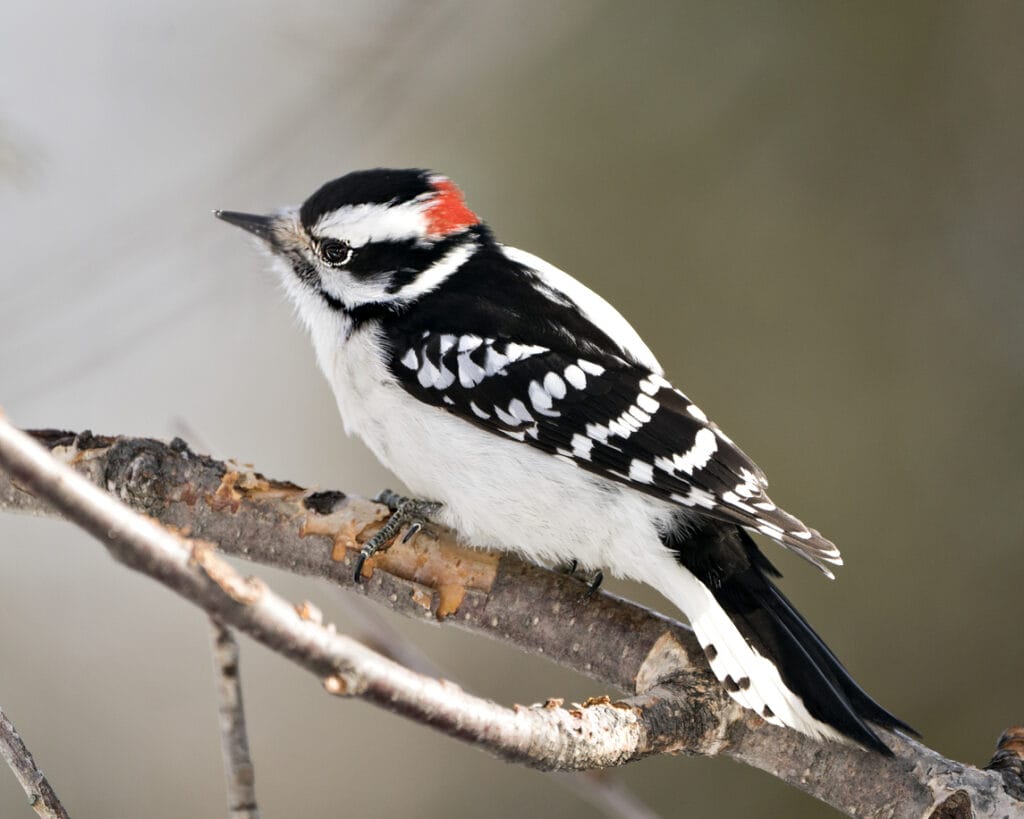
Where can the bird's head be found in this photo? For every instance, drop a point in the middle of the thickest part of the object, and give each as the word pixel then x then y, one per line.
pixel 378 237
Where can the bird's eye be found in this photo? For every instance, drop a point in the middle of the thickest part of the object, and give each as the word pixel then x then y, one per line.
pixel 335 251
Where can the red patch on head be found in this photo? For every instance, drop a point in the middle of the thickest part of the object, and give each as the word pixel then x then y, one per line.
pixel 448 212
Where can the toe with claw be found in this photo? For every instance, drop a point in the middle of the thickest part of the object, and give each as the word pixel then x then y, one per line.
pixel 412 511
pixel 593 582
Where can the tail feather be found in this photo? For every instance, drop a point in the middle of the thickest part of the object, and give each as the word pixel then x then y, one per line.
pixel 801 672
pixel 822 655
pixel 767 656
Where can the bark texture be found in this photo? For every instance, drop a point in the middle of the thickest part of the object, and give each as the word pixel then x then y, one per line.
pixel 239 773
pixel 41 796
pixel 674 704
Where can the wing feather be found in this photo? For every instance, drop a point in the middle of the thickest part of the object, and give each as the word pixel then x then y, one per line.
pixel 611 417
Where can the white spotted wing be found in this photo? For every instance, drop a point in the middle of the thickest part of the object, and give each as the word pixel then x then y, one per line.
pixel 606 415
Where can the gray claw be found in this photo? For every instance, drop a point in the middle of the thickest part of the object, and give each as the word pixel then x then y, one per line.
pixel 403 510
pixel 593 582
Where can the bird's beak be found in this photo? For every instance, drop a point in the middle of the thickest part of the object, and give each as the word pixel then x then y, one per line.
pixel 262 226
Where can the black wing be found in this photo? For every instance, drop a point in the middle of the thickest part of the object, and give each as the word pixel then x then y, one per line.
pixel 609 416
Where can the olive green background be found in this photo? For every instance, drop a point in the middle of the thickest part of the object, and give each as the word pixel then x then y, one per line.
pixel 811 211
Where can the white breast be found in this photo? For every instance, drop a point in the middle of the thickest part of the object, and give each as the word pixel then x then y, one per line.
pixel 497 493
pixel 505 494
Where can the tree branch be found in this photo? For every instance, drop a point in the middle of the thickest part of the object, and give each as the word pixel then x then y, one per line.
pixel 41 795
pixel 678 707
pixel 238 768
pixel 598 734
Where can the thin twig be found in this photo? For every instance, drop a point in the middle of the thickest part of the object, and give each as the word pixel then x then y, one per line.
pixel 602 789
pixel 607 793
pixel 41 795
pixel 238 768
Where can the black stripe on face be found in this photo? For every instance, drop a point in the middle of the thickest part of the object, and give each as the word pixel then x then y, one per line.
pixel 380 186
pixel 419 258
pixel 336 305
pixel 399 262
pixel 304 271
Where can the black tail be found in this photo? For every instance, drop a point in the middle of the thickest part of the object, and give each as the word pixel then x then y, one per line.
pixel 726 560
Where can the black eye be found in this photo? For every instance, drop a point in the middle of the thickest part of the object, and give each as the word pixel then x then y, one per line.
pixel 335 251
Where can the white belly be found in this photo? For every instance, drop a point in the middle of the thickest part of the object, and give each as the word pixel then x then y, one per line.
pixel 497 493
pixel 505 494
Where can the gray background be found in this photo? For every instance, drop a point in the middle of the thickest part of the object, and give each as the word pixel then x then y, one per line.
pixel 811 211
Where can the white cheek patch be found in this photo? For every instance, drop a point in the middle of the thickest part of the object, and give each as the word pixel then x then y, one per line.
pixel 341 285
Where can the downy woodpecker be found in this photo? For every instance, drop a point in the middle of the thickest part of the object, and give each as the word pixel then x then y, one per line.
pixel 499 386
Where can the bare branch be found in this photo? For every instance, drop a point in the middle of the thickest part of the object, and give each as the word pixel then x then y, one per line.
pixel 238 768
pixel 605 792
pixel 598 734
pixel 41 795
pixel 678 707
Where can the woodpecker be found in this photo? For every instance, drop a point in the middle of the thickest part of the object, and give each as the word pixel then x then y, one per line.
pixel 534 419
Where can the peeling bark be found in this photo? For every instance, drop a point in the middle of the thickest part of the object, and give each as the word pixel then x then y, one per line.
pixel 676 705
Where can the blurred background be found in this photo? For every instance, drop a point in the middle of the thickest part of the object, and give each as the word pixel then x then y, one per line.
pixel 812 212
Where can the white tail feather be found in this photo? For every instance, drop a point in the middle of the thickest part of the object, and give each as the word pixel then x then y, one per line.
pixel 753 678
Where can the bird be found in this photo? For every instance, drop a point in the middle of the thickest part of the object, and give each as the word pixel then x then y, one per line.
pixel 526 413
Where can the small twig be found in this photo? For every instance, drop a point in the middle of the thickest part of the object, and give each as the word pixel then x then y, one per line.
pixel 603 790
pixel 41 795
pixel 606 793
pixel 238 768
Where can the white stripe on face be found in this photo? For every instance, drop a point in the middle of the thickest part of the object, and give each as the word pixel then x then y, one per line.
pixel 440 270
pixel 361 224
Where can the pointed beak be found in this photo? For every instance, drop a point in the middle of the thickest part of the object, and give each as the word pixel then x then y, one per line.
pixel 261 226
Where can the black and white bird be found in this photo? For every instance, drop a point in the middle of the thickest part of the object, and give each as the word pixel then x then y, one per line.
pixel 499 386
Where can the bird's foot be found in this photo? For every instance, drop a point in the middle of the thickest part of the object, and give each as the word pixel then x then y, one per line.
pixel 596 579
pixel 412 511
pixel 593 582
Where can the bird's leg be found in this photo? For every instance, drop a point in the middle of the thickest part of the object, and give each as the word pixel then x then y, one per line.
pixel 593 582
pixel 404 510
pixel 568 568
